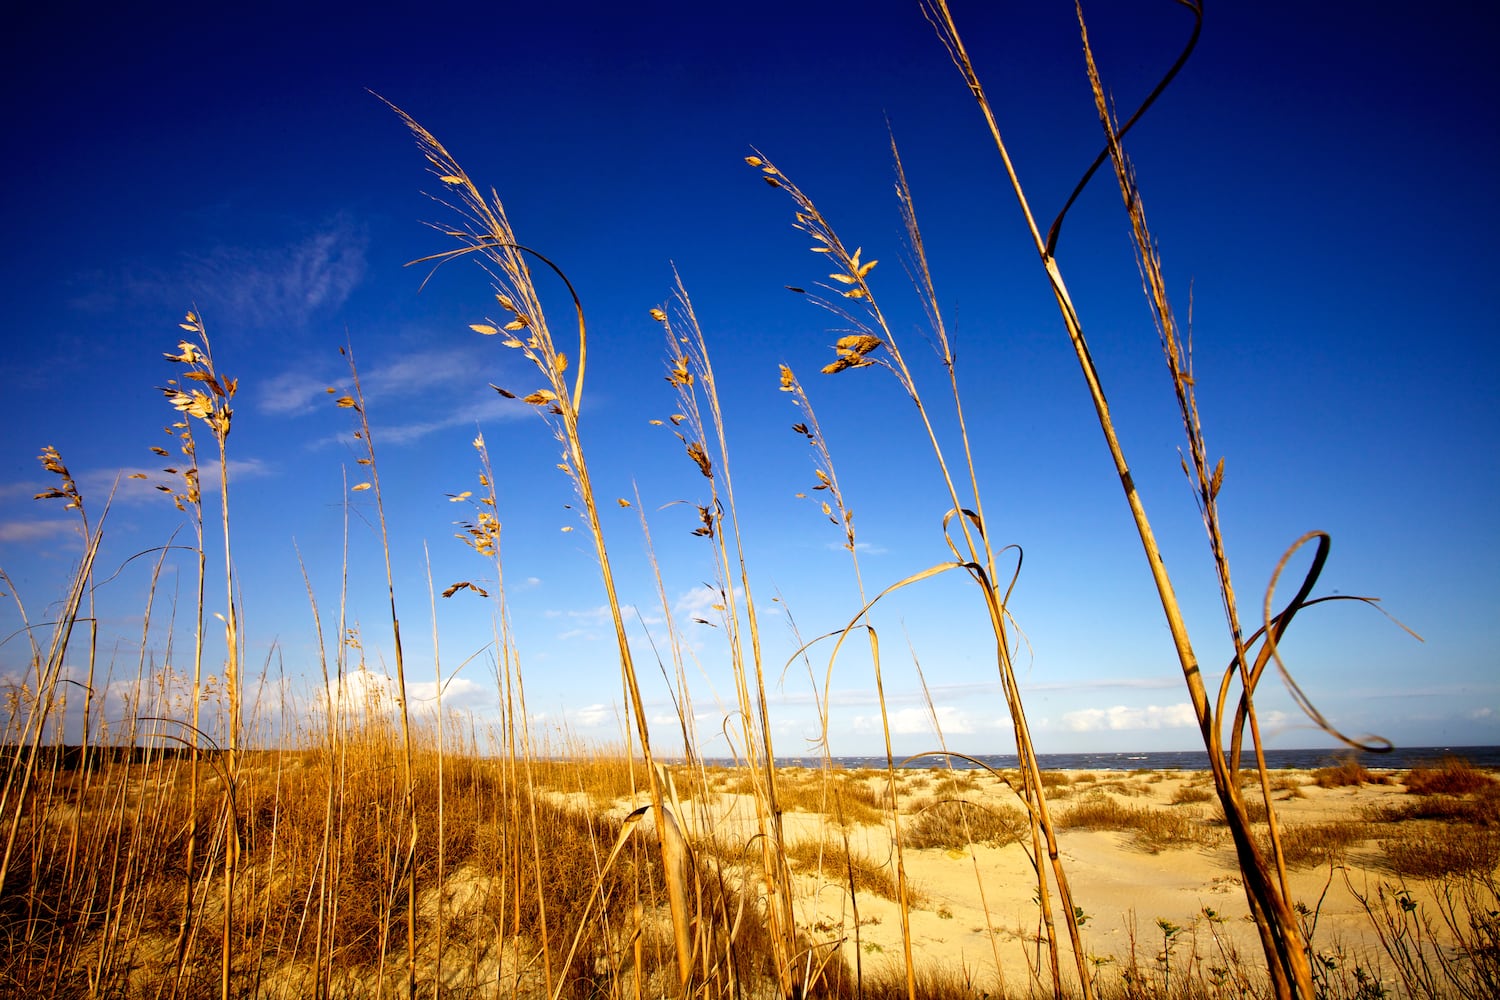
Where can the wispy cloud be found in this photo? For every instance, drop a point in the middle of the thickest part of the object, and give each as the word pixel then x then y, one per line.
pixel 443 382
pixel 1124 717
pixel 277 286
pixel 702 602
pixel 478 413
pixel 862 548
pixel 35 530
pixel 291 393
pixel 1105 683
pixel 595 623
pixel 127 485
pixel 366 690
pixel 97 484
pixel 300 390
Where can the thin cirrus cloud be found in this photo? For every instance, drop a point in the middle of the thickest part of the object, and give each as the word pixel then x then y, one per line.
pixel 702 601
pixel 138 484
pixel 486 410
pixel 297 392
pixel 862 548
pixel 280 286
pixel 130 485
pixel 36 530
pixel 260 287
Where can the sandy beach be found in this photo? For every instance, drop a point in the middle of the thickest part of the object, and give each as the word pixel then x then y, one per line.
pixel 1162 893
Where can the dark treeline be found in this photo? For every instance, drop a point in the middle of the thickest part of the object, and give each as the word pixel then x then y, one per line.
pixel 72 757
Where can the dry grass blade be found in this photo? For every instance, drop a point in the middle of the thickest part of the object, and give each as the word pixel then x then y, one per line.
pixel 487 232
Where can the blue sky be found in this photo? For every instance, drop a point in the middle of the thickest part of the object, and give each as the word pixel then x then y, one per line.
pixel 1320 180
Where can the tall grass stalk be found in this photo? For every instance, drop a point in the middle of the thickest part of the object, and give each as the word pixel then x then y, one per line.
pixel 487 232
pixel 853 300
pixel 690 370
pixel 213 408
pixel 356 403
pixel 48 671
pixel 841 516
pixel 1265 880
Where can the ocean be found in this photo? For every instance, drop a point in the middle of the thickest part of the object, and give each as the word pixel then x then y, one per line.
pixel 1186 760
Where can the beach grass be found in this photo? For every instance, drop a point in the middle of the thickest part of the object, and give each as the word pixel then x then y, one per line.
pixel 359 848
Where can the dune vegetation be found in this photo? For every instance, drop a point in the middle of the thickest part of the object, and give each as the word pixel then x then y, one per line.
pixel 370 850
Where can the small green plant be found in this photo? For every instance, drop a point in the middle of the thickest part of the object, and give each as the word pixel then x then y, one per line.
pixel 1169 935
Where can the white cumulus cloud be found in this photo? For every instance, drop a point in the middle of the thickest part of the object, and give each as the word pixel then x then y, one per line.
pixel 590 715
pixel 917 720
pixel 1125 717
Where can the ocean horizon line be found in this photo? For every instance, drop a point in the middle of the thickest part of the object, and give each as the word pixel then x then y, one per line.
pixel 1303 758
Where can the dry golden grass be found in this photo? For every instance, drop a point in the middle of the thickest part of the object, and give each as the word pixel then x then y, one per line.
pixel 1347 774
pixel 1426 850
pixel 372 855
pixel 1191 795
pixel 1151 829
pixel 954 825
pixel 831 861
pixel 845 797
pixel 1314 844
pixel 1452 776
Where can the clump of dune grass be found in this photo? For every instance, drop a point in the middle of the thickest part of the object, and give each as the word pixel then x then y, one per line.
pixel 953 783
pixel 954 825
pixel 1129 789
pixel 1153 830
pixel 1347 774
pixel 1290 782
pixel 1191 795
pixel 1427 850
pixel 603 777
pixel 1310 845
pixel 832 860
pixel 845 798
pixel 1452 776
pixel 1475 809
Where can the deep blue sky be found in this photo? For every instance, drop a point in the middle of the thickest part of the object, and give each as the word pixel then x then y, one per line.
pixel 1320 179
